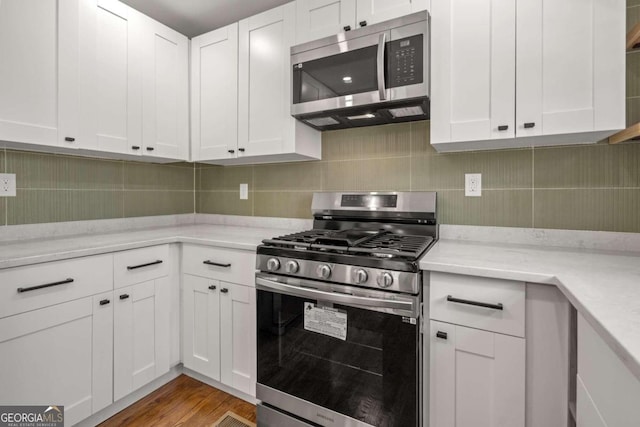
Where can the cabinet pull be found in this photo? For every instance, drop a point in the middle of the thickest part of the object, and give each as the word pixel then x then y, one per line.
pixel 503 128
pixel 48 285
pixel 124 296
pixel 134 267
pixel 529 125
pixel 216 264
pixel 231 151
pixel 135 147
pixel 213 287
pixel 104 302
pixel 441 334
pixel 224 290
pixel 241 150
pixel 347 28
pixel 363 23
pixel 69 139
pixel 150 148
pixel 476 303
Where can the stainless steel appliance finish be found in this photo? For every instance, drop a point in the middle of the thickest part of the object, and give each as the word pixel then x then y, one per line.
pixel 369 76
pixel 359 267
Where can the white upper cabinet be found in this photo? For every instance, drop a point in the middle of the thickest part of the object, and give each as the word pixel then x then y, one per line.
pixel 266 130
pixel 165 91
pixel 110 80
pixel 567 66
pixel 38 80
pixel 214 94
pixel 570 67
pixel 322 18
pixel 373 11
pixel 473 94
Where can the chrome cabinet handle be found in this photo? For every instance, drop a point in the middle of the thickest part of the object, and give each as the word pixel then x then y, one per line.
pixel 475 303
pixel 216 264
pixel 47 285
pixel 134 267
pixel 382 90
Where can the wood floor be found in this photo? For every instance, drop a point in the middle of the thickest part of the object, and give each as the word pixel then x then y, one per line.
pixel 182 402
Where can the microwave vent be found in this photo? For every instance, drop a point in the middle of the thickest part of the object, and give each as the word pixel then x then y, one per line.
pixel 406 111
pixel 322 121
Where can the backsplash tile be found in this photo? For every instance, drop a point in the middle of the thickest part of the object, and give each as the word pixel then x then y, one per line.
pixel 390 174
pixel 290 204
pixel 36 206
pixel 55 188
pixel 288 176
pixel 588 209
pixel 508 208
pixel 367 143
pixel 224 203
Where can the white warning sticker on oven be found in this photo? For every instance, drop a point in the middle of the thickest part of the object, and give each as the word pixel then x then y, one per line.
pixel 325 320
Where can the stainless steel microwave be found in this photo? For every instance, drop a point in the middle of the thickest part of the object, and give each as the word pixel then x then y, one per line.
pixel 369 76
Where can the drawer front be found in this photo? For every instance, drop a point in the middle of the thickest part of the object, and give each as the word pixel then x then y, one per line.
pixel 489 304
pixel 230 265
pixel 50 283
pixel 140 265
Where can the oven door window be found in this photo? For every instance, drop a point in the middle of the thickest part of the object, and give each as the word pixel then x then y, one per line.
pixel 371 376
pixel 338 75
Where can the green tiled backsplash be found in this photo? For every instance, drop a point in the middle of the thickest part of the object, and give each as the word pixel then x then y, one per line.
pixel 54 188
pixel 594 187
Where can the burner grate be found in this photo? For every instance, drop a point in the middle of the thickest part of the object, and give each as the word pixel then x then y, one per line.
pixel 395 245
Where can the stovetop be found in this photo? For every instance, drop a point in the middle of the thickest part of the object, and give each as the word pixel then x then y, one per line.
pixel 365 243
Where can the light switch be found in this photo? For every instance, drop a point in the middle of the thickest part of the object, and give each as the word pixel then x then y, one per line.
pixel 244 191
pixel 7 185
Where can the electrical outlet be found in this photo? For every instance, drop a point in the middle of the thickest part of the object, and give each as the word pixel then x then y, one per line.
pixel 7 185
pixel 473 185
pixel 244 191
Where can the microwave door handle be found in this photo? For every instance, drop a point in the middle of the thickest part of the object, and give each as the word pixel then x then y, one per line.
pixel 382 90
pixel 338 298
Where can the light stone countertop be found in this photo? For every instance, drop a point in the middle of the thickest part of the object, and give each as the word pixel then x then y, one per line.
pixel 604 286
pixel 33 251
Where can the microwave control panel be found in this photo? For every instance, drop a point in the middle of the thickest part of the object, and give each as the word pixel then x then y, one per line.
pixel 405 61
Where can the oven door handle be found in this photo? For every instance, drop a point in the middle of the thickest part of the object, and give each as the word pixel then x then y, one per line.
pixel 335 297
pixel 382 44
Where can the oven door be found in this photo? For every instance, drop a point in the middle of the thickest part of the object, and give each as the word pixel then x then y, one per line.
pixel 337 355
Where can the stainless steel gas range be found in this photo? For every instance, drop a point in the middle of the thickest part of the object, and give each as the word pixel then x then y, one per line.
pixel 339 313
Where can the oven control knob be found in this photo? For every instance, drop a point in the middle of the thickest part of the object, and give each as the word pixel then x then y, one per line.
pixel 385 280
pixel 323 271
pixel 273 264
pixel 360 276
pixel 292 267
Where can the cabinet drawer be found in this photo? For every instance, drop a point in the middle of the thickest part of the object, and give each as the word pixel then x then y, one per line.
pixel 478 302
pixel 50 283
pixel 140 265
pixel 230 265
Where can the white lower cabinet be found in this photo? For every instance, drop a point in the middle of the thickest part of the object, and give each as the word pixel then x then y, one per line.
pixel 477 378
pixel 607 392
pixel 219 339
pixel 59 355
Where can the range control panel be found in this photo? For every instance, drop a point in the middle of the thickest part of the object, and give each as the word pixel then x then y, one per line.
pixel 405 61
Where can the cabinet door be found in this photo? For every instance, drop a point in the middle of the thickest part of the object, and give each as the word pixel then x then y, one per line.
pixel 374 11
pixel 201 323
pixel 110 80
pixel 477 378
pixel 165 91
pixel 264 82
pixel 238 337
pixel 322 18
pixel 214 94
pixel 569 66
pixel 38 87
pixel 141 341
pixel 473 63
pixel 59 355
